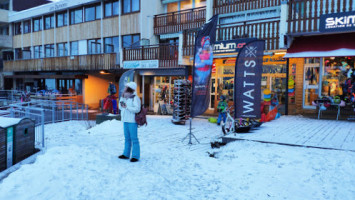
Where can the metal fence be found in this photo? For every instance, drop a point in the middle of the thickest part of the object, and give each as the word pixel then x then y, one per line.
pixel 45 112
pixel 8 97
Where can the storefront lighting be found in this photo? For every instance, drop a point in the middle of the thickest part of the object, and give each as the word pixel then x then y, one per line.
pixel 104 72
pixel 280 53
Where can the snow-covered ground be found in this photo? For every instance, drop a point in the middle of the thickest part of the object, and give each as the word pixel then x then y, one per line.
pixel 82 164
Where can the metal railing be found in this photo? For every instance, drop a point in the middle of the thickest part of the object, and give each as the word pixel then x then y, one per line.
pixel 8 97
pixel 44 112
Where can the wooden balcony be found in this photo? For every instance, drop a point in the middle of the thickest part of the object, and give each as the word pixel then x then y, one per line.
pixel 304 15
pixel 68 63
pixel 266 30
pixel 167 54
pixel 231 6
pixel 178 21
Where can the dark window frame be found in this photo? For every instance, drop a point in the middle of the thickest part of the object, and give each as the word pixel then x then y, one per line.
pixel 113 14
pixel 40 20
pixel 71 50
pixel 65 49
pixel 51 21
pixel 111 44
pixel 17 28
pixel 132 35
pixel 65 20
pixel 51 49
pixel 71 13
pixel 39 51
pixel 95 6
pixel 27 24
pixel 130 12
pixel 96 47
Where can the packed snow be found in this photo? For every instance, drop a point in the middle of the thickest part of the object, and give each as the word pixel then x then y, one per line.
pixel 81 164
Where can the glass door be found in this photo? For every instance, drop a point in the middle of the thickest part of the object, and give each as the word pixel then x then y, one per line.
pixel 311 82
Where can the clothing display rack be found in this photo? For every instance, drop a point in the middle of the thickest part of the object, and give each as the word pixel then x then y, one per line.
pixel 182 101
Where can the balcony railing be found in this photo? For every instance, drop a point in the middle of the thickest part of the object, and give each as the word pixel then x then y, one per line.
pixel 266 30
pixel 231 6
pixel 68 63
pixel 178 21
pixel 167 54
pixel 304 15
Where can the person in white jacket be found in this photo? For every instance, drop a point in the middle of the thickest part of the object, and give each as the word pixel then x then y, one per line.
pixel 130 104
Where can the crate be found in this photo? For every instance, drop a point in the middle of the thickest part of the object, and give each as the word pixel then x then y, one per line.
pixel 17 140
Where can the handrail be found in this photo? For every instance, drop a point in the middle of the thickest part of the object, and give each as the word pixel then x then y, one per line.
pixel 151 46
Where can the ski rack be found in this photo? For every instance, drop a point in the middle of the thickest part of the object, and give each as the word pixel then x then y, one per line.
pixel 182 101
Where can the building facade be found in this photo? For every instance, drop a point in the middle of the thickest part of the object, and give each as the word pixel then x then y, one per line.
pixel 84 45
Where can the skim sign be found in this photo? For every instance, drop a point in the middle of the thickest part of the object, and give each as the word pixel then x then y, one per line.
pixel 337 22
pixel 247 84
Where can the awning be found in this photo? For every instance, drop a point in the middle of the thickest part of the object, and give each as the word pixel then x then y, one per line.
pixel 322 46
pixel 163 72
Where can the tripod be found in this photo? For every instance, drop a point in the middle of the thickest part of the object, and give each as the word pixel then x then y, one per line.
pixel 190 134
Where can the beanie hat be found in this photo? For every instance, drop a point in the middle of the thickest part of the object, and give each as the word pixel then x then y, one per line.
pixel 132 85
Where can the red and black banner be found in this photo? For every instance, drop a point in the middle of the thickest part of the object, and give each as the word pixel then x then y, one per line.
pixel 247 85
pixel 202 67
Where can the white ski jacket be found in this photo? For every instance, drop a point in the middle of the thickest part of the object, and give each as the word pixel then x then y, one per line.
pixel 133 106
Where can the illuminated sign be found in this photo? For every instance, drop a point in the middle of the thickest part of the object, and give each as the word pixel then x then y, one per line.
pixel 337 22
pixel 230 46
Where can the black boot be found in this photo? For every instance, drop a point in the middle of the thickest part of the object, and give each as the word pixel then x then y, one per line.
pixel 134 160
pixel 218 124
pixel 122 157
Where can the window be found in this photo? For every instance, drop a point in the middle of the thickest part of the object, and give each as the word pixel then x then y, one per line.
pixel 92 13
pixel 200 3
pixel 27 26
pixel 62 49
pixel 38 52
pixel 94 46
pixel 49 50
pixel 131 6
pixel 130 40
pixel 184 5
pixel 74 48
pixel 37 24
pixel 17 28
pixel 76 16
pixel 49 22
pixel 18 53
pixel 26 53
pixel 4 30
pixel 62 19
pixel 111 45
pixel 111 8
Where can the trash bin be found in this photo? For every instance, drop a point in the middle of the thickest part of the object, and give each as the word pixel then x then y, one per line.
pixel 17 140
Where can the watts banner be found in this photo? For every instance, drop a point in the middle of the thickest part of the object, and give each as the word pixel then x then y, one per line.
pixel 247 85
pixel 202 67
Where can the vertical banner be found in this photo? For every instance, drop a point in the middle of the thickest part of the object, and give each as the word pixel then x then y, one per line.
pixel 202 67
pixel 125 78
pixel 247 85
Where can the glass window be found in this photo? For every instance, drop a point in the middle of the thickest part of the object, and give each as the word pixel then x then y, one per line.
pixel 49 50
pixel 200 3
pixel 50 84
pixel 90 13
pixel 108 9
pixel 94 46
pixel 38 52
pixel 98 12
pixel 62 19
pixel 135 5
pixel 62 49
pixel 115 8
pixel 130 40
pixel 76 16
pixel 17 28
pixel 126 6
pixel 49 22
pixel 37 24
pixel 184 5
pixel 18 53
pixel 26 53
pixel 78 86
pixel 74 48
pixel 172 7
pixel 111 45
pixel 4 30
pixel 27 26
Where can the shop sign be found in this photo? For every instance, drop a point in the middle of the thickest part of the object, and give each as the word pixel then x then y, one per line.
pixel 337 22
pixel 58 6
pixel 230 46
pixel 141 64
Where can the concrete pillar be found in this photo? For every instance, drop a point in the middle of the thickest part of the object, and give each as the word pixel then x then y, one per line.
pixel 209 9
pixel 283 23
pixel 180 59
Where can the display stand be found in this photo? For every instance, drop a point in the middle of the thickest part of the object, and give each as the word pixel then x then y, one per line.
pixel 182 101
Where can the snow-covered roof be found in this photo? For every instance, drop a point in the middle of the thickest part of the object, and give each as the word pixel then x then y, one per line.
pixel 6 122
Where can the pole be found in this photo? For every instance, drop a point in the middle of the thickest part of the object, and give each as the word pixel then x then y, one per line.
pixel 286 92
